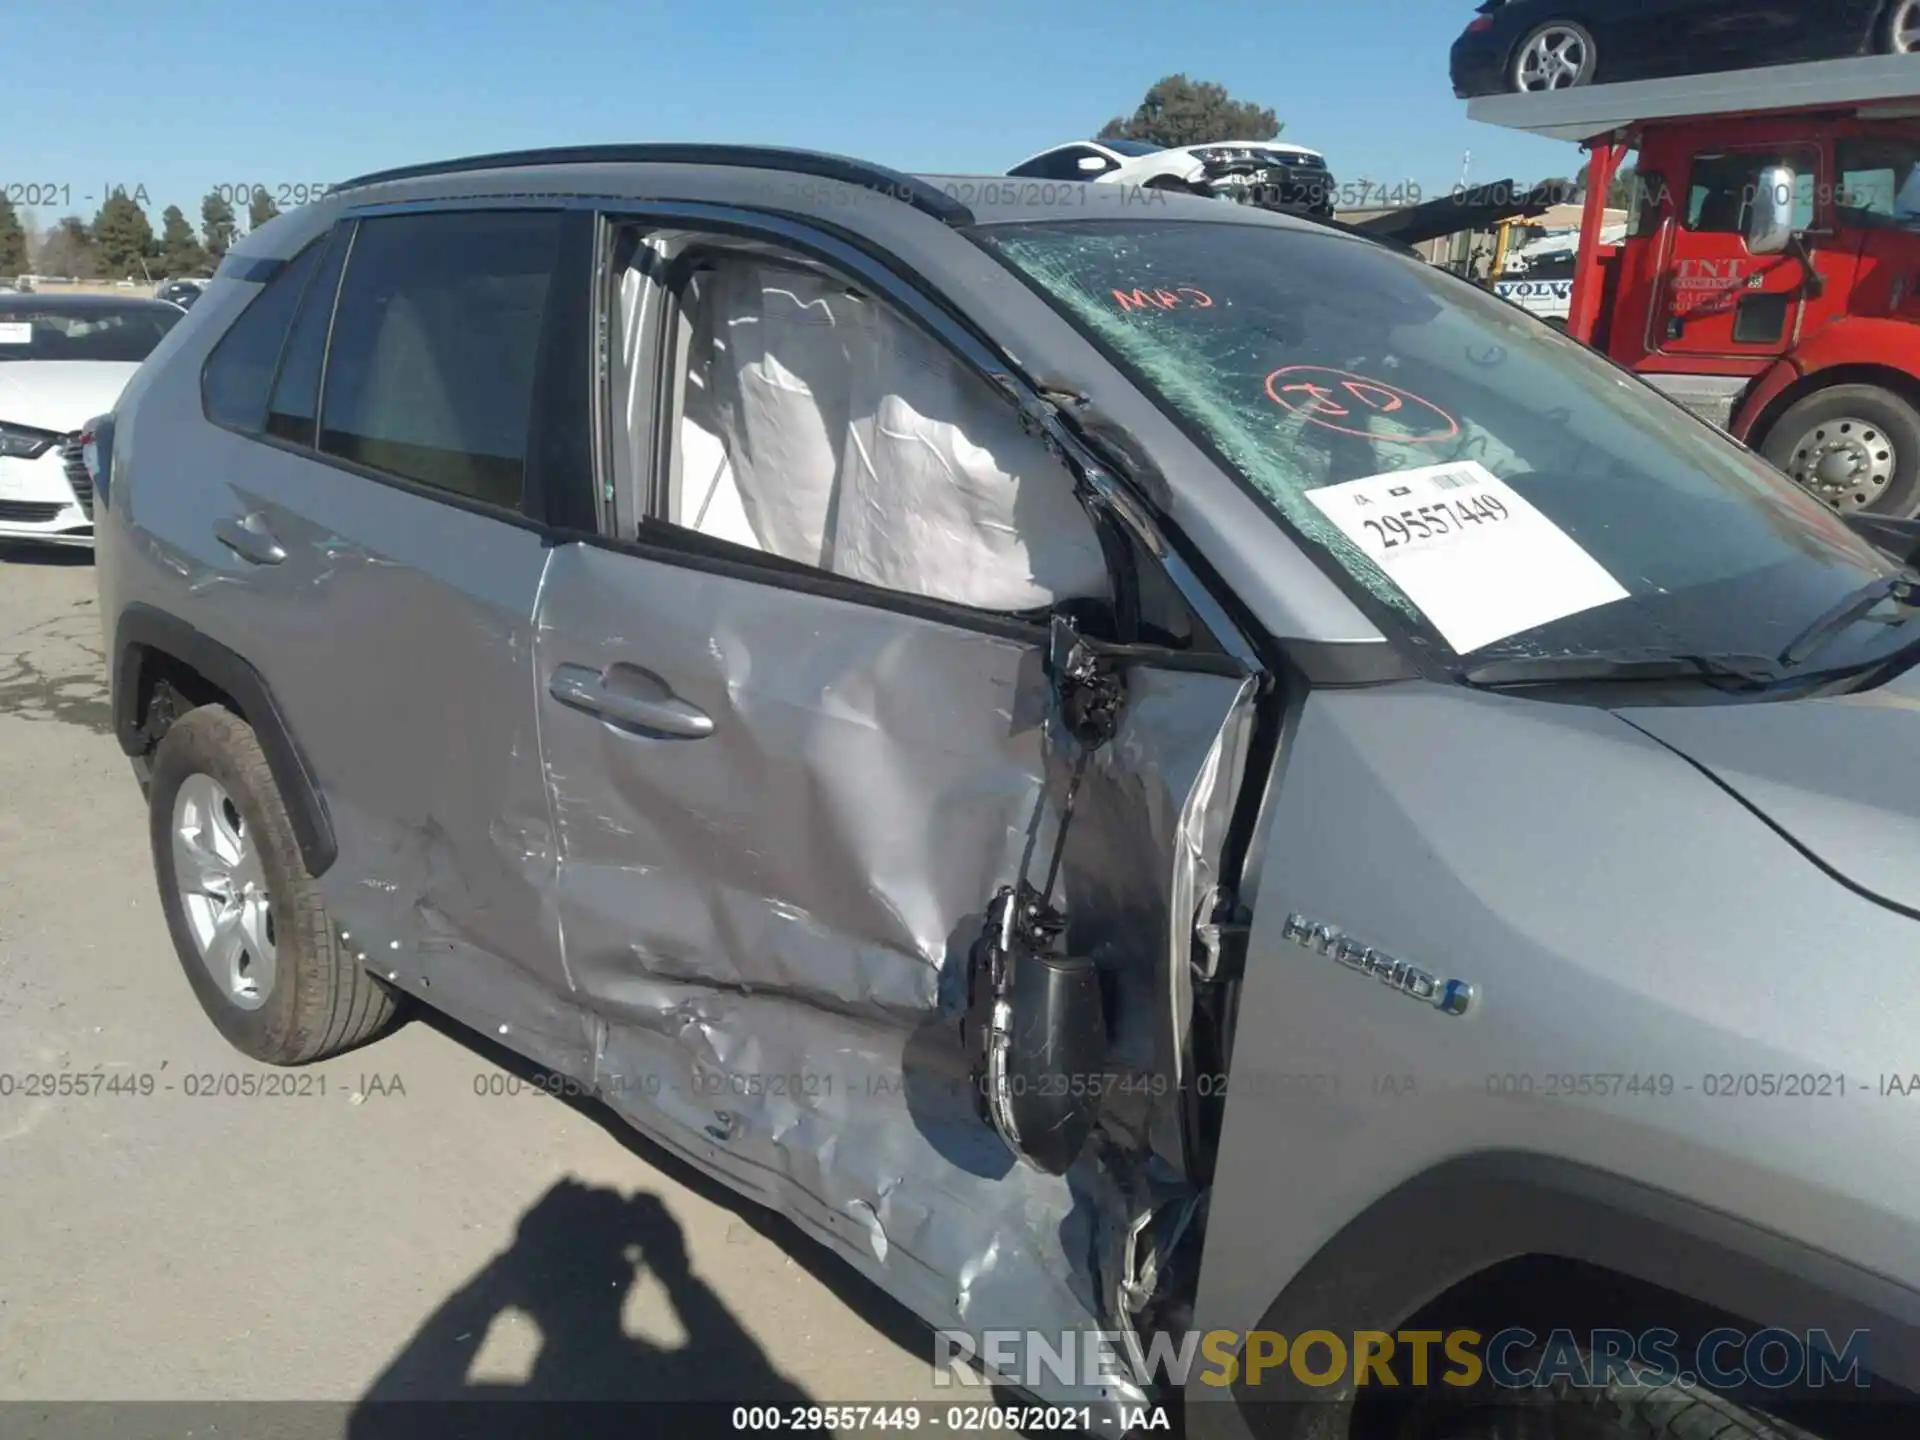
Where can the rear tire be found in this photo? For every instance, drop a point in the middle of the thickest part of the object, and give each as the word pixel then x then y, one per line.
pixel 1558 55
pixel 264 960
pixel 1857 447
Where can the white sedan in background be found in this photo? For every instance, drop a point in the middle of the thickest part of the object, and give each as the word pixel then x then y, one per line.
pixel 63 360
pixel 1266 172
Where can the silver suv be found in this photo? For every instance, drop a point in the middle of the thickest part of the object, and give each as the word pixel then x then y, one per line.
pixel 1144 769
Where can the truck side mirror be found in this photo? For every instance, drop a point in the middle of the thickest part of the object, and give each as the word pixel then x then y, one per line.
pixel 1770 212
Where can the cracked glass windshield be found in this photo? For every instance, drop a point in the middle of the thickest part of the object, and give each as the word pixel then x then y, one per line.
pixel 1501 490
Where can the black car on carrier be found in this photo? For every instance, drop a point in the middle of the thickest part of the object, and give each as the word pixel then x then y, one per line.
pixel 1535 45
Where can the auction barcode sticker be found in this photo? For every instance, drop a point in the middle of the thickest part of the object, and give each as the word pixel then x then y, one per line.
pixel 1477 559
pixel 16 332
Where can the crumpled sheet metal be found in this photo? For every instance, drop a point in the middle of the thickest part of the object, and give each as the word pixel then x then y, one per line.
pixel 872 1146
pixel 772 922
pixel 838 835
pixel 1143 845
pixel 422 731
pixel 1198 842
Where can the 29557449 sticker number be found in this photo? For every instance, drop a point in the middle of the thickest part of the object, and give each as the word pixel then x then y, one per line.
pixel 1479 560
pixel 1444 517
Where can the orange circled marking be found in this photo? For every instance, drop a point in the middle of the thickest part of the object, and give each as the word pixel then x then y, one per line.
pixel 1320 384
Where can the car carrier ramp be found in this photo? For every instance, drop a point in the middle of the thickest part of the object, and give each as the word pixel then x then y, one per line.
pixel 1876 87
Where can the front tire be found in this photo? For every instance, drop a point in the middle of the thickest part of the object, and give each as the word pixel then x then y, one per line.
pixel 1558 55
pixel 246 918
pixel 1857 447
pixel 1640 1405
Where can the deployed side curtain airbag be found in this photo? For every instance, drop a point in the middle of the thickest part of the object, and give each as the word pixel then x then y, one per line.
pixel 859 444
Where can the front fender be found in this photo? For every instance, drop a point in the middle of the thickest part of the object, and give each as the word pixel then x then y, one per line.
pixel 1640 944
pixel 1463 1217
pixel 1884 344
pixel 1185 169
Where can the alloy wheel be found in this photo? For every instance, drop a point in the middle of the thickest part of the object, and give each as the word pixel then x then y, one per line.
pixel 1553 59
pixel 1903 28
pixel 1845 461
pixel 223 891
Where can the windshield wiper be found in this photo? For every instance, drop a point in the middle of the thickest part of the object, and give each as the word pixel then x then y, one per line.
pixel 1736 670
pixel 1854 608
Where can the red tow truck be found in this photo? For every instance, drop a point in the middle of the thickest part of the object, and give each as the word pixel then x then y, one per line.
pixel 1769 278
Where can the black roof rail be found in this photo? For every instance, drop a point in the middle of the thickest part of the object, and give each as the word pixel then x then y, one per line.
pixel 907 189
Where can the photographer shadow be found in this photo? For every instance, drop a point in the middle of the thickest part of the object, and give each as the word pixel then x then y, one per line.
pixel 575 1256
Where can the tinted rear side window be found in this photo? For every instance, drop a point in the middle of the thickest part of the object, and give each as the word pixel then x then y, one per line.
pixel 296 394
pixel 239 372
pixel 436 339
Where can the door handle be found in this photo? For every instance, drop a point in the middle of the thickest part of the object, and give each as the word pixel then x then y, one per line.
pixel 249 538
pixel 630 697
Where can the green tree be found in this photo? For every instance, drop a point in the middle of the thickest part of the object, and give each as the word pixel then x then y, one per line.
pixel 181 252
pixel 260 208
pixel 1620 192
pixel 217 224
pixel 68 250
pixel 1179 111
pixel 13 241
pixel 122 236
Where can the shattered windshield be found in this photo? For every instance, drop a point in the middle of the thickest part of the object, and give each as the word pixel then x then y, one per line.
pixel 1497 488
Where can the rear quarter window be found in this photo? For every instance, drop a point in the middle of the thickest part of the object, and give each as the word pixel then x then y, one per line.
pixel 239 373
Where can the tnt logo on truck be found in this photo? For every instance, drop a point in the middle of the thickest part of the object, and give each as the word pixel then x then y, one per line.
pixel 1710 275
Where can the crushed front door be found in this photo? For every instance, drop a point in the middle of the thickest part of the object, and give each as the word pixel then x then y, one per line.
pixel 782 815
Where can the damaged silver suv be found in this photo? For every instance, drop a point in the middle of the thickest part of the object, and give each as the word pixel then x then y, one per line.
pixel 1141 768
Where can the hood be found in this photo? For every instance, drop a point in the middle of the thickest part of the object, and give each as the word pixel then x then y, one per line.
pixel 1833 775
pixel 61 394
pixel 1278 148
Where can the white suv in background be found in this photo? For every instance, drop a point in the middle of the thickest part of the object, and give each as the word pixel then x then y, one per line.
pixel 1264 172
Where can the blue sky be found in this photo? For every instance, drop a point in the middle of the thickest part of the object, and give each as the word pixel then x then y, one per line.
pixel 177 96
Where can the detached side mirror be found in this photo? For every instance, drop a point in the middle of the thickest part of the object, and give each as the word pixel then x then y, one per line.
pixel 1770 212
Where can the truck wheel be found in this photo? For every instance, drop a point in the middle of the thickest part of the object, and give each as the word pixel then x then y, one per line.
pixel 1556 56
pixel 1902 33
pixel 1633 1404
pixel 1857 447
pixel 246 918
